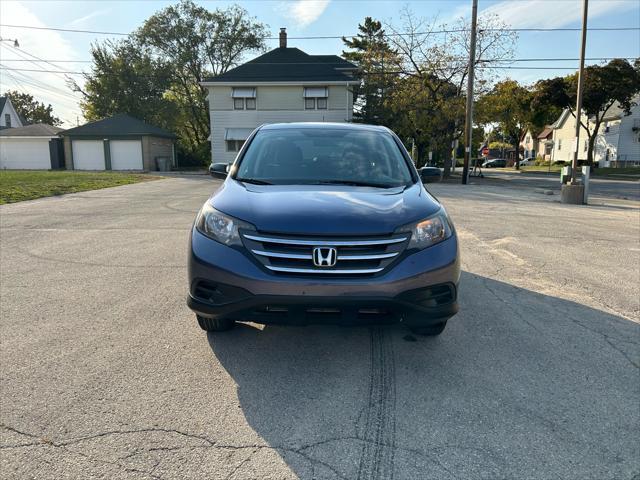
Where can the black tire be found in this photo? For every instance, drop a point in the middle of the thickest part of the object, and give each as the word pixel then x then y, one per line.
pixel 215 324
pixel 431 330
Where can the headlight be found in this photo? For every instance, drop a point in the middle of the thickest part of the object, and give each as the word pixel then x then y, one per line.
pixel 429 231
pixel 219 226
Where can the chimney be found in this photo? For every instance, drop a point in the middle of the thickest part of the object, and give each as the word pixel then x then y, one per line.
pixel 283 38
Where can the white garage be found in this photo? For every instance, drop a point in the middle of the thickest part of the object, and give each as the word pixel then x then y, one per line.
pixel 88 155
pixel 126 154
pixel 27 148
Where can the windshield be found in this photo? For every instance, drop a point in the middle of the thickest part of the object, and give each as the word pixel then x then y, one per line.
pixel 307 156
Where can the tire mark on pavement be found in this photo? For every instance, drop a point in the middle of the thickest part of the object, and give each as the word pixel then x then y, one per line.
pixel 379 429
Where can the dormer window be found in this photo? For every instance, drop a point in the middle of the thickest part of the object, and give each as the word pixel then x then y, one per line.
pixel 244 98
pixel 315 98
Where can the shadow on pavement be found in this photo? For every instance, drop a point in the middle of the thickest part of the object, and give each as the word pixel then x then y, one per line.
pixel 520 385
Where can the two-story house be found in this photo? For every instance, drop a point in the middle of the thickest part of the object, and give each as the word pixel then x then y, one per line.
pixel 618 141
pixel 283 85
pixel 8 116
pixel 564 132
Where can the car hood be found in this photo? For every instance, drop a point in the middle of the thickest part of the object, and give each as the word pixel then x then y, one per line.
pixel 324 209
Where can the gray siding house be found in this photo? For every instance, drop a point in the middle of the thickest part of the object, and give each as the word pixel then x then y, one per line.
pixel 283 85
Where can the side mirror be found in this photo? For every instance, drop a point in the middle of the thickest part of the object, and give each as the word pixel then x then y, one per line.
pixel 430 174
pixel 219 170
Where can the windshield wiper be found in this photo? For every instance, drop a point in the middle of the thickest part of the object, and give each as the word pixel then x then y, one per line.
pixel 355 183
pixel 254 181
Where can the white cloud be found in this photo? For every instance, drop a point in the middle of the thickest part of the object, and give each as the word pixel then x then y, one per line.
pixel 551 14
pixel 45 87
pixel 304 12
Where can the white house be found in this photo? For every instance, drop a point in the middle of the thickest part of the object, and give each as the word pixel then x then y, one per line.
pixel 564 132
pixel 35 146
pixel 8 116
pixel 529 144
pixel 618 141
pixel 283 85
pixel 545 143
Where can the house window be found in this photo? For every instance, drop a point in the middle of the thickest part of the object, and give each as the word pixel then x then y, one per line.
pixel 315 98
pixel 244 98
pixel 7 120
pixel 586 145
pixel 234 145
pixel 559 144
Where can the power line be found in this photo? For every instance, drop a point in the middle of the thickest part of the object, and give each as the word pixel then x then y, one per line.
pixel 46 61
pixel 330 37
pixel 320 63
pixel 21 51
pixel 391 72
pixel 43 87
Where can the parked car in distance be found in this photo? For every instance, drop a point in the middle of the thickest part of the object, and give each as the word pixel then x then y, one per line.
pixel 527 162
pixel 324 223
pixel 495 163
pixel 219 170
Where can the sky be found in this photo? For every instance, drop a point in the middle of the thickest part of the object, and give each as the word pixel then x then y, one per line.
pixel 66 51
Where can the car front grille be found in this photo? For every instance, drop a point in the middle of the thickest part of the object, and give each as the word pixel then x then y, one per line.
pixel 284 254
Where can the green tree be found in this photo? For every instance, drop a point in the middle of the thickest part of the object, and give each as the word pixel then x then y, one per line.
pixel 432 70
pixel 617 82
pixel 155 73
pixel 31 110
pixel 125 79
pixel 370 51
pixel 198 43
pixel 509 105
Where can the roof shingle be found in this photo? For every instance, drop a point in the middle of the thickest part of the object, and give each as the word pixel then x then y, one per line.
pixel 289 65
pixel 34 130
pixel 120 125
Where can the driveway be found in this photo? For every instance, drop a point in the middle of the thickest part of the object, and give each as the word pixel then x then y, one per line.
pixel 105 374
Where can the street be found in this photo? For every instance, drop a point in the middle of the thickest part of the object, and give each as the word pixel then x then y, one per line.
pixel 598 187
pixel 105 374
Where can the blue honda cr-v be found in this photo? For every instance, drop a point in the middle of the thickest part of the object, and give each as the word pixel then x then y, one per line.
pixel 323 223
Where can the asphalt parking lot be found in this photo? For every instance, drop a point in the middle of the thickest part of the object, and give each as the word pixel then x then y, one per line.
pixel 105 374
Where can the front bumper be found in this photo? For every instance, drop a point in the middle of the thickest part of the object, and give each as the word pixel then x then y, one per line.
pixel 420 289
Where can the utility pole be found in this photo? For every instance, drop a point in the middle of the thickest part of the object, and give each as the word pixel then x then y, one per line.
pixel 468 127
pixel 572 192
pixel 576 147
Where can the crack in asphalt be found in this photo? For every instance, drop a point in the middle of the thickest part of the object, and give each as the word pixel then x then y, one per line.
pixel 537 272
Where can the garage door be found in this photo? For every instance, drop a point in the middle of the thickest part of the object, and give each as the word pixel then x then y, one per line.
pixel 88 155
pixel 25 153
pixel 126 154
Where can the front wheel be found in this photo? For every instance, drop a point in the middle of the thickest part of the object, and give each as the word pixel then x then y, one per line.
pixel 431 330
pixel 215 324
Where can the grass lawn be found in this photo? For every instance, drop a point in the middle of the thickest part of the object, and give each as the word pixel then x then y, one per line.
pixel 19 185
pixel 542 168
